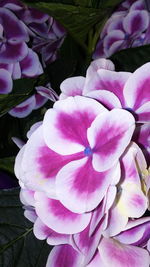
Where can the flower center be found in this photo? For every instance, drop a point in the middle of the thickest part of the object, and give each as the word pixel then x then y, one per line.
pixel 88 151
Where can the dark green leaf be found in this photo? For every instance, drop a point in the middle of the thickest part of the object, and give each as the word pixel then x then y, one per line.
pixel 132 58
pixel 22 89
pixel 18 246
pixel 76 19
pixel 7 164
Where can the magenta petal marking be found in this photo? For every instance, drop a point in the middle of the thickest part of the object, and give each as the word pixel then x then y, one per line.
pixel 65 126
pixel 82 185
pixel 108 136
pixel 136 90
pixel 57 217
pixel 64 256
pixel 114 253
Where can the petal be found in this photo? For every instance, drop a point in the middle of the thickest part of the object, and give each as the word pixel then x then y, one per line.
pixel 41 164
pixel 132 202
pixel 108 136
pixel 16 72
pixel 115 254
pixel 73 86
pixel 96 261
pixel 97 64
pixel 143 113
pixel 114 37
pixel 134 232
pixel 39 101
pixel 130 165
pixel 117 221
pixel 24 109
pixel 41 231
pixel 6 83
pixel 13 53
pixel 27 197
pixel 80 188
pixel 64 256
pixel 110 81
pixel 136 90
pixel 15 34
pixel 142 137
pixel 86 244
pixel 136 22
pixel 103 208
pixel 30 64
pixel 57 217
pixel 106 98
pixel 65 126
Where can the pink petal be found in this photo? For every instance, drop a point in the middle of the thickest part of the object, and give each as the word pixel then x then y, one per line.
pixel 42 164
pixel 117 221
pixel 108 136
pixel 96 65
pixel 103 208
pixel 96 261
pixel 136 90
pixel 41 231
pixel 110 81
pixel 72 86
pixel 79 183
pixel 86 244
pixel 58 218
pixel 143 113
pixel 106 98
pixel 64 256
pixel 65 126
pixel 132 201
pixel 115 254
pixel 136 21
pixel 135 231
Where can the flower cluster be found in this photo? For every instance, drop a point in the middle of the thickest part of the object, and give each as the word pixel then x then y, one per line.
pixel 129 26
pixel 26 34
pixel 84 178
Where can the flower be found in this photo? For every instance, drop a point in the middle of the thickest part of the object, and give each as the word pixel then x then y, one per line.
pixel 127 27
pixel 84 181
pixel 33 35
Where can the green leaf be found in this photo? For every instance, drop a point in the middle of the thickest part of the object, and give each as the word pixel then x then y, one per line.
pixel 77 20
pixel 18 246
pixel 7 164
pixel 22 89
pixel 132 58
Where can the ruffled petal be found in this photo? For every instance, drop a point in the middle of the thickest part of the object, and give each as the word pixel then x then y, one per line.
pixel 65 126
pixel 41 231
pixel 80 188
pixel 72 86
pixel 108 136
pixel 64 256
pixel 136 90
pixel 42 164
pixel 136 22
pixel 115 254
pixel 57 217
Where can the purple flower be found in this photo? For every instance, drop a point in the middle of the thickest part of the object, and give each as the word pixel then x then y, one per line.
pixel 127 27
pixel 22 27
